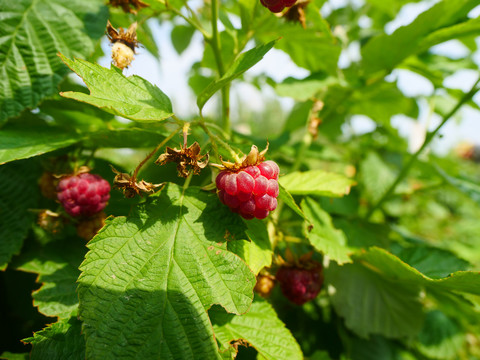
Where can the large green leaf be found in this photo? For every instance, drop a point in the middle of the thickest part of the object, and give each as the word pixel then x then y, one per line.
pixel 24 142
pixel 441 337
pixel 381 101
pixel 60 341
pixel 288 199
pixel 32 33
pixel 391 267
pixel 257 252
pixel 468 28
pixel 316 182
pixel 469 187
pixel 385 52
pixel 57 267
pixel 244 62
pixel 376 175
pixel 372 304
pixel 18 195
pixel 322 54
pixel 169 260
pixel 260 328
pixel 132 97
pixel 323 235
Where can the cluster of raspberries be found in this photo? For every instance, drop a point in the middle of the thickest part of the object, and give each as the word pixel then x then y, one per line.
pixel 83 195
pixel 252 191
pixel 276 6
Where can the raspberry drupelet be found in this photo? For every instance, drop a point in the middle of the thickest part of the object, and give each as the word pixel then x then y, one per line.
pixel 84 194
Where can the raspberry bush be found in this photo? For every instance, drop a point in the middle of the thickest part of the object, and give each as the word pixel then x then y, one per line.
pixel 140 222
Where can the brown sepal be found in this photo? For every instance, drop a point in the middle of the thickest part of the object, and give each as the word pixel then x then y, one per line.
pixel 297 13
pixel 129 6
pixel 50 221
pixel 131 187
pixel 128 37
pixel 187 158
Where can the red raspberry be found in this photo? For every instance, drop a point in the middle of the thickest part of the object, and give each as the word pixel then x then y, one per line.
pixel 252 191
pixel 300 285
pixel 276 6
pixel 83 195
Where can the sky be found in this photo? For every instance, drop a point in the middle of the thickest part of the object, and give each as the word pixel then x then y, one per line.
pixel 170 74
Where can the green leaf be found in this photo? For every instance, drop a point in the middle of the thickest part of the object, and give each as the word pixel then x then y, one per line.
pixel 385 52
pixel 432 262
pixel 132 97
pixel 323 235
pixel 21 143
pixel 169 258
pixel 391 267
pixel 304 89
pixel 18 194
pixel 59 341
pixel 257 252
pixel 466 186
pixel 57 267
pixel 468 28
pixel 287 198
pixel 14 356
pixel 32 33
pixel 181 37
pixel 372 304
pixel 322 54
pixel 260 327
pixel 243 62
pixel 122 138
pixel 376 176
pixel 316 182
pixel 381 101
pixel 441 337
pixel 376 347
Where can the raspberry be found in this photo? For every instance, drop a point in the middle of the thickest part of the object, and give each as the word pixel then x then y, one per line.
pixel 251 191
pixel 300 285
pixel 276 6
pixel 83 195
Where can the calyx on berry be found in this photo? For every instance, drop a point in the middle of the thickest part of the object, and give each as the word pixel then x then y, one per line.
pixel 249 187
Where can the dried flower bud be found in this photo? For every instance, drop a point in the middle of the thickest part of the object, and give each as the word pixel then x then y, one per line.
pixel 186 158
pixel 50 221
pixel 130 186
pixel 88 228
pixel 128 6
pixel 124 44
pixel 297 13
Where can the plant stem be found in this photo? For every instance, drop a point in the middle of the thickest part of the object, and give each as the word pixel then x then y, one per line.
pixel 167 139
pixel 217 52
pixel 214 139
pixel 468 96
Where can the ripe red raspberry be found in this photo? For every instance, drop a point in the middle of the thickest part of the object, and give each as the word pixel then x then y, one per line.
pixel 277 6
pixel 83 195
pixel 251 191
pixel 300 285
